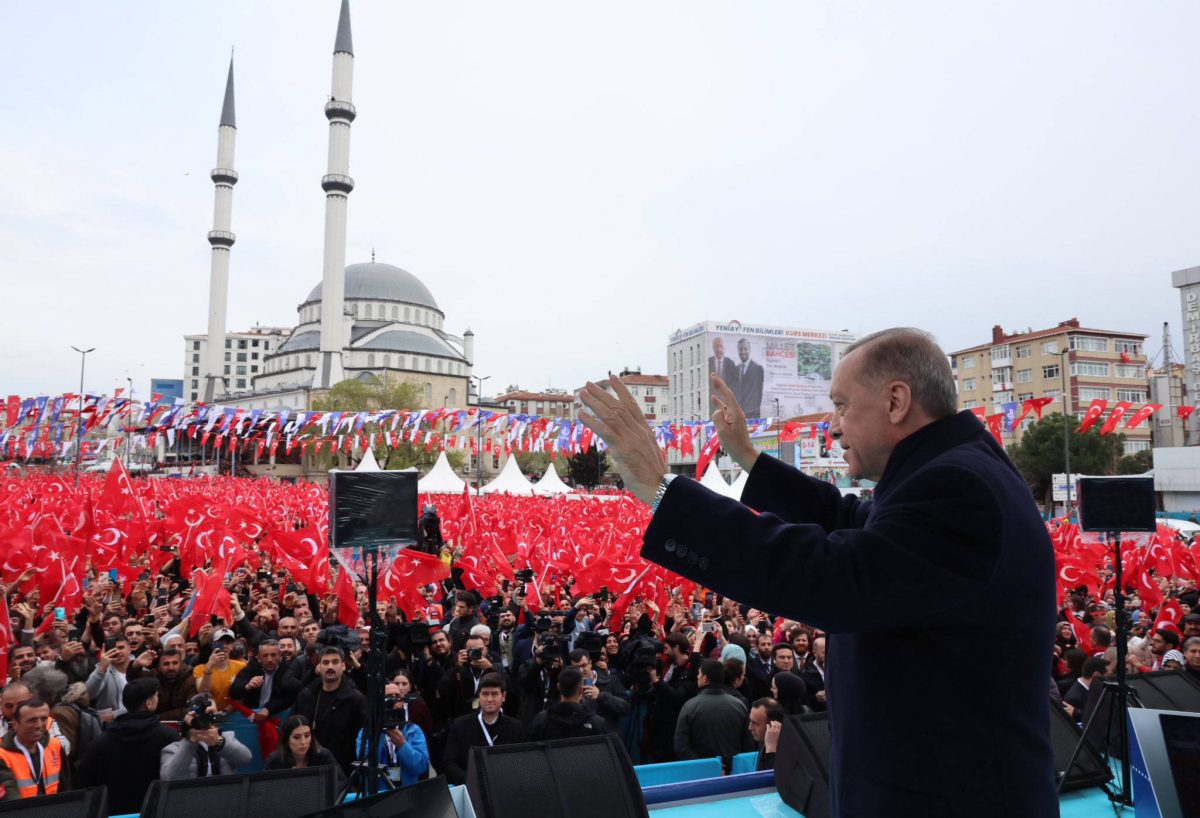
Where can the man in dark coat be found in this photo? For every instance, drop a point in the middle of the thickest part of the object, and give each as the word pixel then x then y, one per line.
pixel 713 724
pixel 910 579
pixel 261 684
pixel 334 706
pixel 567 717
pixel 486 727
pixel 126 757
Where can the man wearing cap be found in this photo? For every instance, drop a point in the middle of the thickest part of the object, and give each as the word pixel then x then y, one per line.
pixel 30 758
pixel 126 757
pixel 215 677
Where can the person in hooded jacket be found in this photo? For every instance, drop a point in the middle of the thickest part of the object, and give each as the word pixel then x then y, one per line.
pixel 567 718
pixel 126 757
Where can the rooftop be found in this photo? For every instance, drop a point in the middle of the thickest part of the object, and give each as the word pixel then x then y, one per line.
pixel 1070 326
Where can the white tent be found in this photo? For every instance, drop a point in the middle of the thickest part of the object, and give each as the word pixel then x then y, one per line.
pixel 509 481
pixel 368 463
pixel 713 480
pixel 551 483
pixel 739 485
pixel 441 479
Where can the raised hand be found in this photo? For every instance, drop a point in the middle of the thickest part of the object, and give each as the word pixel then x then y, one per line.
pixel 730 422
pixel 620 422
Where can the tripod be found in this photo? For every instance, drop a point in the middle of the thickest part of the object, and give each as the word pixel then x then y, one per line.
pixel 1117 695
pixel 367 774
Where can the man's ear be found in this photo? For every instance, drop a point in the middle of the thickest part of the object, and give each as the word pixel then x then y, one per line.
pixel 900 401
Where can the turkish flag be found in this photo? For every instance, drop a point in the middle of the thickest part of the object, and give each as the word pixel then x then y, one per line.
pixel 118 496
pixel 1141 414
pixel 995 424
pixel 1185 412
pixel 707 454
pixel 1035 405
pixel 6 638
pixel 1114 417
pixel 343 587
pixel 1093 415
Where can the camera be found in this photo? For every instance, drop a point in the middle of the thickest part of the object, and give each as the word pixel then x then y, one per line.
pixel 339 636
pixel 524 575
pixel 475 654
pixel 393 716
pixel 201 718
pixel 643 657
pixel 429 531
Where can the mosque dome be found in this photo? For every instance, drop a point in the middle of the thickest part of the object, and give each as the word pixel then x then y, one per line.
pixel 383 282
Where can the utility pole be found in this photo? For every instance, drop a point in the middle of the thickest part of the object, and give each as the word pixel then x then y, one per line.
pixel 79 428
pixel 1064 356
pixel 479 424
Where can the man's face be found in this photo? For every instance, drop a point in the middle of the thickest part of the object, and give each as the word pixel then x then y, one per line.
pixel 785 659
pixel 191 649
pixel 585 666
pixel 758 723
pixel 331 668
pixel 289 626
pixel 491 699
pixel 800 643
pixel 47 653
pixel 718 347
pixel 310 633
pixel 461 610
pixel 11 698
pixel 764 646
pixel 1191 629
pixel 136 636
pixel 287 649
pixel 818 649
pixel 32 724
pixel 1192 657
pixel 476 643
pixel 860 419
pixel 168 667
pixel 440 644
pixel 1158 645
pixel 112 626
pixel 743 350
pixel 268 657
pixel 23 658
pixel 507 620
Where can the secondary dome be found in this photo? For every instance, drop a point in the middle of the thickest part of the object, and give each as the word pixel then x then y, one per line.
pixel 375 280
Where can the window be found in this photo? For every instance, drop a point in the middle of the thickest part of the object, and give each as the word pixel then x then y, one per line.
pixel 253 369
pixel 228 356
pixel 241 343
pixel 226 370
pixel 395 312
pixel 1089 368
pixel 1135 446
pixel 1025 376
pixel 254 343
pixel 195 385
pixel 400 362
pixel 1050 371
pixel 1024 396
pixel 1050 348
pixel 241 356
pixel 633 390
pixel 1132 395
pixel 1003 397
pixel 196 358
pixel 969 385
pixel 1088 344
pixel 254 356
pixel 241 383
pixel 968 362
pixel 407 314
pixel 970 404
pixel 228 344
pixel 1129 371
pixel 370 359
pixel 387 361
pixel 195 370
pixel 1024 351
pixel 1001 375
pixel 1091 393
pixel 195 344
pixel 1050 393
pixel 366 310
pixel 308 360
pixel 1127 347
pixel 1000 353
pixel 241 370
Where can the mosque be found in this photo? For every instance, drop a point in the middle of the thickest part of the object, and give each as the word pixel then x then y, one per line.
pixel 366 321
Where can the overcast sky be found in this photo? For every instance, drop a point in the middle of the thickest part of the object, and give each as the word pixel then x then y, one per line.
pixel 576 181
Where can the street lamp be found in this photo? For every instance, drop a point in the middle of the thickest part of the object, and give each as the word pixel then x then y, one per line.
pixel 1062 355
pixel 129 426
pixel 79 428
pixel 778 432
pixel 479 422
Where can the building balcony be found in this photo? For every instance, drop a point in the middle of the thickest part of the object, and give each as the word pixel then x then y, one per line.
pixel 224 176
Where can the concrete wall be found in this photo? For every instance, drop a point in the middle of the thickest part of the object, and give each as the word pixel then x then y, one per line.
pixel 1177 477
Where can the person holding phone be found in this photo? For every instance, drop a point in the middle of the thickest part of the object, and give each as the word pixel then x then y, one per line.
pixel 115 669
pixel 603 695
pixel 215 677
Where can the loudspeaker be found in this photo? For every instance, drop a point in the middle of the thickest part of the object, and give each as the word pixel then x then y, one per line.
pixel 1117 504
pixel 1166 690
pixel 802 764
pixel 89 803
pixel 372 509
pixel 588 777
pixel 269 794
pixel 425 799
pixel 1089 770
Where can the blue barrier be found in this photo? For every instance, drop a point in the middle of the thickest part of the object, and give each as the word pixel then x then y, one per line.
pixel 744 763
pixel 676 772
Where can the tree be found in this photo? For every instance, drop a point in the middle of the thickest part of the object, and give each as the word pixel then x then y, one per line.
pixel 372 396
pixel 587 468
pixel 1039 455
pixel 534 464
pixel 1136 463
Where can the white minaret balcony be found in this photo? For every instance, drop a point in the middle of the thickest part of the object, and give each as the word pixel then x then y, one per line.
pixel 224 176
pixel 336 183
pixel 221 238
pixel 339 109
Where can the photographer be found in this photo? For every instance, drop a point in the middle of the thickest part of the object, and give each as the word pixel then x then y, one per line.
pixel 402 750
pixel 538 677
pixel 677 684
pixel 458 691
pixel 603 695
pixel 203 751
pixel 429 531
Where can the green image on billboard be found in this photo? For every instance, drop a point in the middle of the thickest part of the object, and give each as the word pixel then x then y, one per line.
pixel 814 359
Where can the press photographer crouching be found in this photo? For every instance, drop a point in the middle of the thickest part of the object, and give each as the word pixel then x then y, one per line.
pixel 403 753
pixel 204 750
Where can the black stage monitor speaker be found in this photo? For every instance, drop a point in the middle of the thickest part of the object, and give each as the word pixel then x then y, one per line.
pixel 587 777
pixel 372 509
pixel 89 803
pixel 1116 504
pixel 1089 770
pixel 802 764
pixel 1166 690
pixel 425 799
pixel 270 794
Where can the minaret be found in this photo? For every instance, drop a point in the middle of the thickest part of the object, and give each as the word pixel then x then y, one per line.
pixel 337 185
pixel 221 238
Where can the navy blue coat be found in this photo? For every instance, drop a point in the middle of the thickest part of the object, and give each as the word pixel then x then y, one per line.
pixel 939 600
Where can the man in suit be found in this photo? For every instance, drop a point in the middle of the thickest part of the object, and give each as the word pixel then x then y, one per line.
pixel 904 580
pixel 260 684
pixel 748 381
pixel 486 726
pixel 719 364
pixel 1077 694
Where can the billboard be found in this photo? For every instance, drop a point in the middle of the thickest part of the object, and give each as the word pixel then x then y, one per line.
pixel 772 371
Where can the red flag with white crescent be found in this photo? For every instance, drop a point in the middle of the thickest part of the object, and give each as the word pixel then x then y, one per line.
pixel 1093 415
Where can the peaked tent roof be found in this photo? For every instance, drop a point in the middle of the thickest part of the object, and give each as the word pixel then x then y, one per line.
pixel 551 483
pixel 368 463
pixel 713 480
pixel 510 481
pixel 441 479
pixel 739 485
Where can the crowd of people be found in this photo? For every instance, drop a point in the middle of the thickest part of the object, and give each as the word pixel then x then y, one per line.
pixel 131 690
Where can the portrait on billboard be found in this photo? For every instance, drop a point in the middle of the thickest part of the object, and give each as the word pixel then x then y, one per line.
pixel 720 363
pixel 747 384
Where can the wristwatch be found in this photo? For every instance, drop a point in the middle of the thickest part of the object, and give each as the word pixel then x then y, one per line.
pixel 662 491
